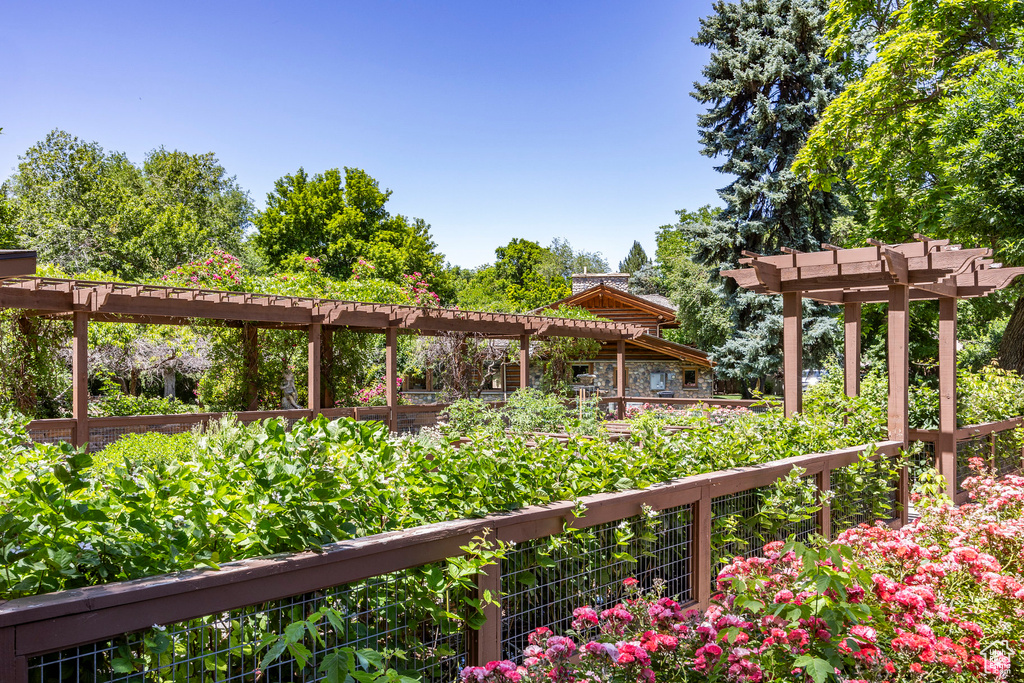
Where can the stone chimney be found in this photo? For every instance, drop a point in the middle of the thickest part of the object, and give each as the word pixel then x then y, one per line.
pixel 584 281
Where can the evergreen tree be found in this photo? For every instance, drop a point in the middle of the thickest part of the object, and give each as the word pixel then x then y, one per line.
pixel 635 260
pixel 765 86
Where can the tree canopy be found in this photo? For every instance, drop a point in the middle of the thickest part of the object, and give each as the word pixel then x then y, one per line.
pixel 765 84
pixel 340 220
pixel 82 208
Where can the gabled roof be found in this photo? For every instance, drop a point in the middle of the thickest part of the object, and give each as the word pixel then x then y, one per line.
pixel 680 351
pixel 655 308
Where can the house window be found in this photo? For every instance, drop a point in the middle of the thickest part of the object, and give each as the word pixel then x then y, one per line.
pixel 583 369
pixel 689 378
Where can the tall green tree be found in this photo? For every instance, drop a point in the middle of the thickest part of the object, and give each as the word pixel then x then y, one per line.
pixel 765 85
pixel 516 281
pixel 635 260
pixel 560 260
pixel 341 219
pixel 84 209
pixel 930 128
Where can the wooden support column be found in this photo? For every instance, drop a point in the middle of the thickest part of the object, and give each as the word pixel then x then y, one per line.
pixel 620 378
pixel 851 349
pixel 701 572
pixel 251 353
pixel 945 448
pixel 327 367
pixel 391 377
pixel 524 361
pixel 899 383
pixel 824 481
pixel 80 378
pixel 486 641
pixel 899 361
pixel 792 351
pixel 313 374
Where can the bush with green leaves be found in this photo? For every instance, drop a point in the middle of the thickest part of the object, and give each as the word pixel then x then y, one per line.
pixel 988 395
pixel 527 410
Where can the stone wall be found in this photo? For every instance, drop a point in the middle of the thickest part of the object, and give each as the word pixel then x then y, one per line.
pixel 638 379
pixel 584 281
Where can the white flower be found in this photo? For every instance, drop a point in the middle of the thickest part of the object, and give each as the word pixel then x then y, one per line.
pixel 85 546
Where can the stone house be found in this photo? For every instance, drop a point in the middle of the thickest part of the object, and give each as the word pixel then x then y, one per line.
pixel 654 365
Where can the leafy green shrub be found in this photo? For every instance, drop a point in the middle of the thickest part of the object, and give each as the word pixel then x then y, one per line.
pixel 527 410
pixel 989 395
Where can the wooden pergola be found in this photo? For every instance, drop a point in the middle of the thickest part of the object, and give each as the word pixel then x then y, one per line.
pixel 895 274
pixel 84 301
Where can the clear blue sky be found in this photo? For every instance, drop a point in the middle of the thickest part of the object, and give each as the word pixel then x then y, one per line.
pixel 490 120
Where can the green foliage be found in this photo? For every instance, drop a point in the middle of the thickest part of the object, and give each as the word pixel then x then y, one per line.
pixel 989 395
pixel 559 353
pixel 341 220
pixel 527 410
pixel 635 260
pixel 525 276
pixel 765 84
pixel 34 378
pixel 114 402
pixel 924 72
pixel 83 208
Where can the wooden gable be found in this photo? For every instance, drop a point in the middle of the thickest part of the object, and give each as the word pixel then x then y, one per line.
pixel 622 307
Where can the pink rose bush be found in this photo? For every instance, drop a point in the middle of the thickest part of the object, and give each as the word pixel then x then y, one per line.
pixel 941 599
pixel 219 270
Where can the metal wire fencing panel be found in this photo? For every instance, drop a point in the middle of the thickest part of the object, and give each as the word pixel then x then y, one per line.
pixel 370 415
pixel 544 580
pixel 862 495
pixel 102 436
pixel 742 522
pixel 921 460
pixel 50 434
pixel 397 611
pixel 974 447
pixel 413 422
pixel 1007 457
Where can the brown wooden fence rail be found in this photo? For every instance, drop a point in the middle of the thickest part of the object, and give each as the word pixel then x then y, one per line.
pixel 208 614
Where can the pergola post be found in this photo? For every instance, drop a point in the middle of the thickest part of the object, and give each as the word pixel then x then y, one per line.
pixel 391 377
pixel 792 352
pixel 524 361
pixel 80 378
pixel 620 378
pixel 313 373
pixel 251 353
pixel 851 349
pixel 899 382
pixel 326 367
pixel 945 454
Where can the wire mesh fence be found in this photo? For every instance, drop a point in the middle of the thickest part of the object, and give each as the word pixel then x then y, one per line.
pixel 862 495
pixel 544 580
pixel 743 522
pixel 102 436
pixel 389 613
pixel 973 447
pixel 1006 452
pixel 410 422
pixel 50 434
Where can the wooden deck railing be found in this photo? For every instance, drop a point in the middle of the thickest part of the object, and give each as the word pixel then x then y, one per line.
pixel 49 635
